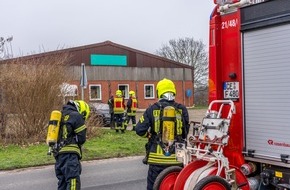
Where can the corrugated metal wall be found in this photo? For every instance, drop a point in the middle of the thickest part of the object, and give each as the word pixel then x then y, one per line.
pixel 135 57
pixel 131 73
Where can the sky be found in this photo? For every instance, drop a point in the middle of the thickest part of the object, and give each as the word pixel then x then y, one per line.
pixel 47 25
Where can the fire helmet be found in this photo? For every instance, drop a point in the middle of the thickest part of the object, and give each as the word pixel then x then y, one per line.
pixel 132 93
pixel 82 107
pixel 165 85
pixel 119 93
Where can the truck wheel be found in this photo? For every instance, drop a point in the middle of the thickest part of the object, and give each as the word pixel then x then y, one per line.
pixel 212 182
pixel 166 179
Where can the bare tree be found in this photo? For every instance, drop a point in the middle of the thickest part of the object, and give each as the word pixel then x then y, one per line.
pixel 190 52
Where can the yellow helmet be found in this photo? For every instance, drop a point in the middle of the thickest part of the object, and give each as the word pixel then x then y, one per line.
pixel 118 93
pixel 132 93
pixel 165 85
pixel 83 108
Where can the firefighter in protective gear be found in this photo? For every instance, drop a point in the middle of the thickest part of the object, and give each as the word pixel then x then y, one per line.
pixel 111 106
pixel 119 111
pixel 160 151
pixel 131 110
pixel 72 136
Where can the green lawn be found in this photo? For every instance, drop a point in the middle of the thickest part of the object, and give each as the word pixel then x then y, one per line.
pixel 107 144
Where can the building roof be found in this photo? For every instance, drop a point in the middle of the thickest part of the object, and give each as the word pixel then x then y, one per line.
pixel 136 58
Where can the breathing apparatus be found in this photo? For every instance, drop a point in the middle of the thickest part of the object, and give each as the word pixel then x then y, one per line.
pixel 53 129
pixel 168 128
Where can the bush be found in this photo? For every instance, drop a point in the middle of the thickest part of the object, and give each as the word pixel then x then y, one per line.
pixel 94 125
pixel 29 91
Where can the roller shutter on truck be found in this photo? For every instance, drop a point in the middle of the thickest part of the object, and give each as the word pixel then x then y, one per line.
pixel 266 81
pixel 267 90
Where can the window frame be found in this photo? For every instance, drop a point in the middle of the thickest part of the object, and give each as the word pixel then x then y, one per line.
pixel 126 90
pixel 153 91
pixel 90 92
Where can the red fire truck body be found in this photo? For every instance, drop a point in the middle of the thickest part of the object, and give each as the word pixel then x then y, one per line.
pixel 243 142
pixel 249 63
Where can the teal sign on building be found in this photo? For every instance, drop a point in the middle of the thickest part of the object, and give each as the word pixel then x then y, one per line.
pixel 108 60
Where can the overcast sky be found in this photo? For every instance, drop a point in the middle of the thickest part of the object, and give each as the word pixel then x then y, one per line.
pixel 47 25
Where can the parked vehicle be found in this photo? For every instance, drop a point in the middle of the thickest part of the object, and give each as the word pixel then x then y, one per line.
pixel 248 148
pixel 101 112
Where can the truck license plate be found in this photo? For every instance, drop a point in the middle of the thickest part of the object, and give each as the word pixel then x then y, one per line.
pixel 231 90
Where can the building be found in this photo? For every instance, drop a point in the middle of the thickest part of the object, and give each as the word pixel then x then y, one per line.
pixel 110 66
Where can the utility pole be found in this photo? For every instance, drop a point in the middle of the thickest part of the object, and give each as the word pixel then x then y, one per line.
pixel 84 79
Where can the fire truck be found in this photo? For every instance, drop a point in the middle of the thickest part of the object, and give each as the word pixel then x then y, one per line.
pixel 243 142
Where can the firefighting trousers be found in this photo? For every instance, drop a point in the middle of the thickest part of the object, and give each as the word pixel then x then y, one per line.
pixel 133 118
pixel 68 170
pixel 119 121
pixel 153 172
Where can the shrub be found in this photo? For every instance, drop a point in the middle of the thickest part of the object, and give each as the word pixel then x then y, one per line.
pixel 29 91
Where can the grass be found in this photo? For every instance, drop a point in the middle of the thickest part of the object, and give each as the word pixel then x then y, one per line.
pixel 107 144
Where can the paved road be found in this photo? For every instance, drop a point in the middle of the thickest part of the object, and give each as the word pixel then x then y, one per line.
pixel 119 173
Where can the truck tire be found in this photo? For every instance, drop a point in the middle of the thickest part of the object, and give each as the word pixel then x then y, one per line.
pixel 166 179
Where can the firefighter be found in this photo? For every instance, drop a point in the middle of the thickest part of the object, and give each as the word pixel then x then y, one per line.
pixel 72 136
pixel 131 110
pixel 111 107
pixel 119 111
pixel 155 124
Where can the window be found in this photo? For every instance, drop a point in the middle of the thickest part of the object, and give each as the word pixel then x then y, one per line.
pixel 149 91
pixel 95 92
pixel 125 90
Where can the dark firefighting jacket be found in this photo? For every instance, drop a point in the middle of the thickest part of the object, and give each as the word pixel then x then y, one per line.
pixel 72 131
pixel 132 106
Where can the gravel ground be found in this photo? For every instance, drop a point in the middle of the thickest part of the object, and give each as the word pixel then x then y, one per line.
pixel 197 114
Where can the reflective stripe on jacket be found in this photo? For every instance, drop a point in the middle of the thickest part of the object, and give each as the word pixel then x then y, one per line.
pixel 71 148
pixel 158 157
